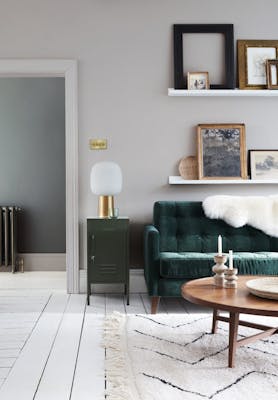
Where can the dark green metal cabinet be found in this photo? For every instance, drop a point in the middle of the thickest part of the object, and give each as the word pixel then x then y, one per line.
pixel 108 252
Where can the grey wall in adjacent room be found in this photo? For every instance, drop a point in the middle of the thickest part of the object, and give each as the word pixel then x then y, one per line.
pixel 124 50
pixel 32 159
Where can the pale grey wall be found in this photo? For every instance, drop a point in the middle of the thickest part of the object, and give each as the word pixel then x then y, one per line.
pixel 32 159
pixel 125 50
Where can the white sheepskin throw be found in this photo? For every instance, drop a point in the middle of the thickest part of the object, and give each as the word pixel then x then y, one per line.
pixel 261 212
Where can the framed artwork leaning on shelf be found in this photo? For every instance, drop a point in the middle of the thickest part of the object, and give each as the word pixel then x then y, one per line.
pixel 197 80
pixel 263 164
pixel 272 74
pixel 225 31
pixel 221 151
pixel 252 56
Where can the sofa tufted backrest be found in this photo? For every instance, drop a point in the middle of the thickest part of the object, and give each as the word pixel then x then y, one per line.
pixel 184 227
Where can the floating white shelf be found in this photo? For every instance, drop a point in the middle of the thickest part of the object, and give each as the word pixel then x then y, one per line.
pixel 222 93
pixel 177 180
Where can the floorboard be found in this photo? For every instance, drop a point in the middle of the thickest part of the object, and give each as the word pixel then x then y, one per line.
pixel 195 309
pixel 172 305
pixel 3 373
pixel 136 305
pixel 146 299
pixel 56 353
pixel 89 375
pixel 115 302
pixel 25 375
pixel 56 382
pixel 7 362
pixel 18 316
pixel 97 304
pixel 9 353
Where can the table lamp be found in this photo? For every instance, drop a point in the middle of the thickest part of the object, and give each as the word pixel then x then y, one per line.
pixel 106 181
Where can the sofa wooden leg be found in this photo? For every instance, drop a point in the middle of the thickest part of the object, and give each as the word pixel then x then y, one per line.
pixel 155 303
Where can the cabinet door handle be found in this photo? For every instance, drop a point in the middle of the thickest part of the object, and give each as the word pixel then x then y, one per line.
pixel 93 258
pixel 93 246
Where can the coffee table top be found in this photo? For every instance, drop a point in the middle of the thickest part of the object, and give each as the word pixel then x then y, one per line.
pixel 204 292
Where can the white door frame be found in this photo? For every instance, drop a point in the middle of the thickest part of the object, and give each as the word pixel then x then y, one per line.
pixel 68 70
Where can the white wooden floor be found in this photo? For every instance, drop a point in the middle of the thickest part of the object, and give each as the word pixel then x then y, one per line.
pixel 50 342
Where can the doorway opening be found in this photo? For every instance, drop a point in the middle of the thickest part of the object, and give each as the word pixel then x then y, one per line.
pixel 67 70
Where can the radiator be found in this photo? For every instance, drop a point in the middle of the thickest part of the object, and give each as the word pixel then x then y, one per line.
pixel 8 236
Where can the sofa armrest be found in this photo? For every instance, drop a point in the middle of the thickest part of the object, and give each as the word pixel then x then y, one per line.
pixel 151 258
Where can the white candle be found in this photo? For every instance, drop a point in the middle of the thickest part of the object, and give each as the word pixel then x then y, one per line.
pixel 230 259
pixel 220 245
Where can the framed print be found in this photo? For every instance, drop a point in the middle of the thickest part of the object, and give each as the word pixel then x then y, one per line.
pixel 197 80
pixel 263 164
pixel 221 151
pixel 272 74
pixel 226 30
pixel 252 56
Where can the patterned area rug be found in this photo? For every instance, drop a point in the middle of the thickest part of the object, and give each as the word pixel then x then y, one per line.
pixel 164 357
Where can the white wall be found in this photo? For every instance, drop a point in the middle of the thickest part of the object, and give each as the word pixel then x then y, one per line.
pixel 124 50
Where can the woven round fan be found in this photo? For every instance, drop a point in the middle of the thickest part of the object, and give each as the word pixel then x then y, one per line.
pixel 188 168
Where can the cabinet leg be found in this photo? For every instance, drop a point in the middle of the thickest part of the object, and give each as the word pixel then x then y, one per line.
pixel 127 293
pixel 88 293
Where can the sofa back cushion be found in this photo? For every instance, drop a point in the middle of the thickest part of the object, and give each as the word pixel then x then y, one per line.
pixel 183 227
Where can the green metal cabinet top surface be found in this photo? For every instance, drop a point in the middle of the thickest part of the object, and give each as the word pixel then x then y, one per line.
pixel 108 222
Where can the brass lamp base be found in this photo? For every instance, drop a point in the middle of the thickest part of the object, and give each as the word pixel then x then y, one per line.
pixel 105 204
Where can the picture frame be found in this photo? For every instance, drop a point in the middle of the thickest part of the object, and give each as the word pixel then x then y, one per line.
pixel 226 29
pixel 197 80
pixel 272 74
pixel 221 151
pixel 252 56
pixel 263 164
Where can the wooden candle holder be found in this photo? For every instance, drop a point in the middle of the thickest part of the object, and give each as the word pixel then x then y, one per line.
pixel 230 278
pixel 219 268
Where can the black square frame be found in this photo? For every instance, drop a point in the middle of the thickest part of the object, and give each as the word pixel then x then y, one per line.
pixel 226 29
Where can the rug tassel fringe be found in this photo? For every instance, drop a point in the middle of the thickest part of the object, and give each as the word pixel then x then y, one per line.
pixel 117 364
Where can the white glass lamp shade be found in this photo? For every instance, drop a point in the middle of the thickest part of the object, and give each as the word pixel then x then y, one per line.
pixel 106 178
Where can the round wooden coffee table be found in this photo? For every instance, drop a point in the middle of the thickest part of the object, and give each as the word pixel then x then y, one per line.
pixel 235 301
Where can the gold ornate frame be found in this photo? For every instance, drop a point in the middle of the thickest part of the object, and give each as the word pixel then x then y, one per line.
pixel 269 64
pixel 200 152
pixel 242 46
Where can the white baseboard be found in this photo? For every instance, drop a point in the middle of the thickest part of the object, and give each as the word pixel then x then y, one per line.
pixel 44 261
pixel 137 283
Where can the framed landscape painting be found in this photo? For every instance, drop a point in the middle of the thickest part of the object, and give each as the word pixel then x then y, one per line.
pixel 263 164
pixel 221 151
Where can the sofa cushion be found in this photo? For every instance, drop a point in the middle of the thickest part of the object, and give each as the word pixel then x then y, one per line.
pixel 186 265
pixel 193 265
pixel 183 227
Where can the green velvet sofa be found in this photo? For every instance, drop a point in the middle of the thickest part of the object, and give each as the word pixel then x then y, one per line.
pixel 181 242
